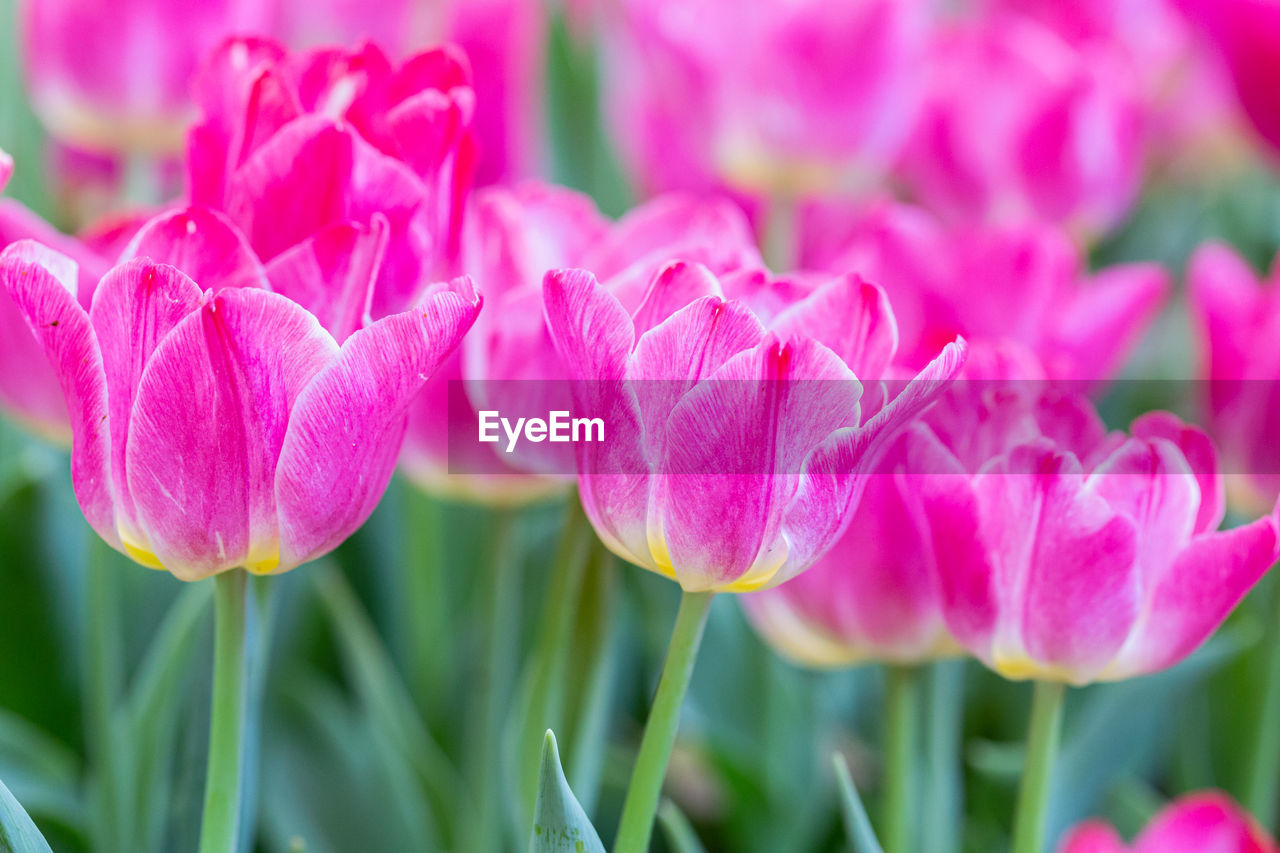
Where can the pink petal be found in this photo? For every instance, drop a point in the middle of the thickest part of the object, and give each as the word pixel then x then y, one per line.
pixel 6 168
pixel 1065 566
pixel 203 244
pixel 1197 448
pixel 62 328
pixel 738 440
pixel 212 408
pixel 1093 837
pixel 852 318
pixel 19 223
pixel 347 427
pixel 1207 822
pixel 678 284
pixel 1106 319
pixel 592 331
pixel 333 274
pixel 1206 581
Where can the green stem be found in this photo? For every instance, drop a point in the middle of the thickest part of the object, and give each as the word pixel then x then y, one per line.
pixel 426 602
pixel 1037 771
pixel 220 826
pixel 1263 786
pixel 902 699
pixel 944 710
pixel 641 803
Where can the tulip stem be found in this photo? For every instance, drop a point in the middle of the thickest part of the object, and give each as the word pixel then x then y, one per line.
pixel 219 829
pixel 1263 785
pixel 1037 770
pixel 902 699
pixel 641 803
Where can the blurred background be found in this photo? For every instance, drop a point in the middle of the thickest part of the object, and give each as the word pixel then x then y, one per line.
pixel 394 672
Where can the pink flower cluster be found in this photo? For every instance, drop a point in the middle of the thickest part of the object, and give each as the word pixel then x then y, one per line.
pixel 239 371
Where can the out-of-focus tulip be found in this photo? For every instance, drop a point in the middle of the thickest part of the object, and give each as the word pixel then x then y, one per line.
pixel 1057 134
pixel 1204 822
pixel 1069 554
pixel 112 76
pixel 716 394
pixel 508 362
pixel 217 424
pixel 1247 35
pixel 1022 284
pixel 767 97
pixel 28 386
pixel 1237 318
pixel 321 154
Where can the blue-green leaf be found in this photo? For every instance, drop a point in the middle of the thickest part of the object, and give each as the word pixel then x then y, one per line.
pixel 856 824
pixel 17 833
pixel 559 823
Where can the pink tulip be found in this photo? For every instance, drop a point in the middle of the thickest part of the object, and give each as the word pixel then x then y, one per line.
pixel 305 152
pixel 508 362
pixel 1246 34
pixel 217 420
pixel 114 76
pixel 738 440
pixel 1070 554
pixel 765 97
pixel 1057 134
pixel 1205 822
pixel 28 387
pixel 1237 317
pixel 1019 284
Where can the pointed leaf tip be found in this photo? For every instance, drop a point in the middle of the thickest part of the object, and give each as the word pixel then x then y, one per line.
pixel 856 824
pixel 559 823
pixel 18 834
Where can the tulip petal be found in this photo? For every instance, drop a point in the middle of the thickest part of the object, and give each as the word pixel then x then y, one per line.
pixel 1202 823
pixel 348 425
pixel 6 168
pixel 1093 837
pixel 853 319
pixel 135 307
pixel 675 286
pixel 202 243
pixel 1066 567
pixel 1106 318
pixel 1206 581
pixel 1198 450
pixel 208 425
pixel 738 440
pixel 63 330
pixel 333 274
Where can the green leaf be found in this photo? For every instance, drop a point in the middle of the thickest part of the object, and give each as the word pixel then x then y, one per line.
pixel 680 835
pixel 857 826
pixel 559 823
pixel 17 833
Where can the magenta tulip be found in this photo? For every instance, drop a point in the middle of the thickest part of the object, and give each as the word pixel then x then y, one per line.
pixel 1057 135
pixel 307 152
pixel 217 421
pixel 718 394
pixel 1205 822
pixel 508 362
pixel 1236 317
pixel 770 97
pixel 1069 554
pixel 1021 285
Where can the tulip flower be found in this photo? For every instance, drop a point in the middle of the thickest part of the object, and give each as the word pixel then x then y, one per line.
pixel 1203 822
pixel 1035 290
pixel 775 98
pixel 1246 35
pixel 1235 315
pixel 299 150
pixel 738 439
pixel 508 362
pixel 1057 134
pixel 28 386
pixel 217 424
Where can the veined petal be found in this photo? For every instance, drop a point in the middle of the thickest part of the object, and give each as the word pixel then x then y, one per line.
pixel 675 286
pixel 135 307
pixel 1202 457
pixel 202 243
pixel 212 408
pixel 333 273
pixel 852 318
pixel 1206 581
pixel 347 427
pixel 591 330
pixel 738 439
pixel 62 328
